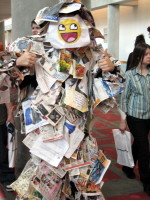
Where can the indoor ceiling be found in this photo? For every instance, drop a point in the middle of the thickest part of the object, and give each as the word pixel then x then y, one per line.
pixel 130 3
pixel 5 9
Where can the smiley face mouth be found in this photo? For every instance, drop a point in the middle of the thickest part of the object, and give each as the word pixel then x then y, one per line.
pixel 69 37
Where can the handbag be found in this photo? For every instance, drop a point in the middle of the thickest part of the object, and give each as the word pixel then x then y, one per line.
pixel 123 147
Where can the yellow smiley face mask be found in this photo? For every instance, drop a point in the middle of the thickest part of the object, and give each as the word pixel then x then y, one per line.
pixel 70 32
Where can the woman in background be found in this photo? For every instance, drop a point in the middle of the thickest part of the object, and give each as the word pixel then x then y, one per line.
pixel 135 102
pixel 35 28
pixel 139 39
pixel 148 29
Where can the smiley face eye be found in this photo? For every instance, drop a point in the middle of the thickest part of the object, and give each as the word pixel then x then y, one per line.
pixel 61 27
pixel 73 27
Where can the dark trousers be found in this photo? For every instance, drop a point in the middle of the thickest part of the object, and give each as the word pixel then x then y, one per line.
pixel 7 174
pixel 140 128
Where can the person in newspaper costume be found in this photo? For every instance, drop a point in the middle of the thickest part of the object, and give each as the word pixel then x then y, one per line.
pixel 74 76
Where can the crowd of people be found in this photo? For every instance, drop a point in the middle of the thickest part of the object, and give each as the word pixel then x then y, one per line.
pixel 135 103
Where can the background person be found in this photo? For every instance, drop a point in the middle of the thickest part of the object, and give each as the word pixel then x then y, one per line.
pixel 148 29
pixel 38 29
pixel 135 102
pixel 35 28
pixel 7 175
pixel 1 46
pixel 139 39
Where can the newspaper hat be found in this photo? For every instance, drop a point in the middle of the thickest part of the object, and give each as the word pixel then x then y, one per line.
pixel 69 8
pixel 71 24
pixel 50 14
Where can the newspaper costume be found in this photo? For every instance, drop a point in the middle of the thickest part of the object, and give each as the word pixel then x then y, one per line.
pixel 65 161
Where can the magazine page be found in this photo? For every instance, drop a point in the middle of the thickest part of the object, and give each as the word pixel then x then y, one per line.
pixel 76 100
pixel 33 119
pixel 74 141
pixel 46 182
pixel 51 133
pixel 100 167
pixel 30 139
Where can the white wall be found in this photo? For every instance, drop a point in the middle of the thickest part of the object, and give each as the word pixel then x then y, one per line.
pixel 100 17
pixel 134 20
pixel 8 31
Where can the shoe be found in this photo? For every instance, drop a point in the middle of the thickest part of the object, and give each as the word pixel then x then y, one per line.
pixel 147 189
pixel 128 172
pixel 8 188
